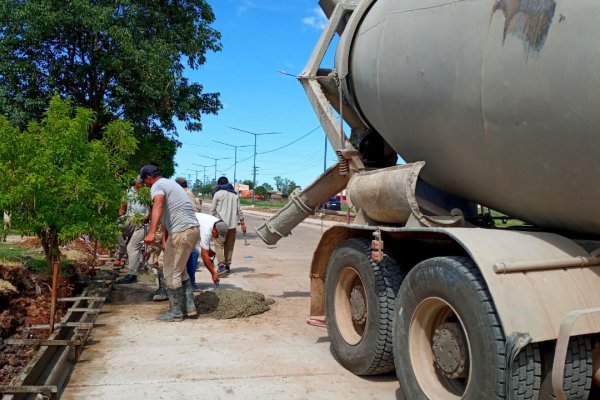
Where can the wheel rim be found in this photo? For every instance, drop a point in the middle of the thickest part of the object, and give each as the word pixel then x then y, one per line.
pixel 439 349
pixel 350 303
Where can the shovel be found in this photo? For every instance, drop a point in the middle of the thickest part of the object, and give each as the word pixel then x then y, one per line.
pixel 246 240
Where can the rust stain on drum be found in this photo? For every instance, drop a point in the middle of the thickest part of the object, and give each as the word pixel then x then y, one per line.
pixel 529 20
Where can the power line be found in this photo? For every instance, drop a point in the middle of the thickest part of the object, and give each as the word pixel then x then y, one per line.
pixel 270 151
pixel 215 159
pixel 291 143
pixel 235 159
pixel 254 166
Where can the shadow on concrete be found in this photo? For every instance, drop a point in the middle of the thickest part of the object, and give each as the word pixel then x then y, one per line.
pixel 236 270
pixel 323 339
pixel 296 293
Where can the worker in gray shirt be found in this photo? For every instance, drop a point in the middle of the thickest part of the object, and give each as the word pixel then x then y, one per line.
pixel 226 206
pixel 171 206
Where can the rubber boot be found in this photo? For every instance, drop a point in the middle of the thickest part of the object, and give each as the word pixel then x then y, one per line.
pixel 161 293
pixel 189 308
pixel 175 313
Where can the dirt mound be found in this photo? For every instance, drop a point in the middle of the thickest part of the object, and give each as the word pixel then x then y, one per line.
pixel 227 304
pixel 30 241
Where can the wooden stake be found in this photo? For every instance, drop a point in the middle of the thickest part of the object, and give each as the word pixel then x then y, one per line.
pixel 55 273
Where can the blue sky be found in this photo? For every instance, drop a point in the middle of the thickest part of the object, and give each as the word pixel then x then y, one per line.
pixel 260 38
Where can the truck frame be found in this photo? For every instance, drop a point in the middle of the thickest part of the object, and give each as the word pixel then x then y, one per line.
pixel 460 309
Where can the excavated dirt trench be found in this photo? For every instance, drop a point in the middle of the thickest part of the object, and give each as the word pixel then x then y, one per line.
pixel 25 299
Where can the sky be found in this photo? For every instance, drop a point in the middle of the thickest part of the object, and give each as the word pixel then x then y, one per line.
pixel 261 39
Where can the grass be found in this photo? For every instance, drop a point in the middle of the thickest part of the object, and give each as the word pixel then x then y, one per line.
pixel 11 253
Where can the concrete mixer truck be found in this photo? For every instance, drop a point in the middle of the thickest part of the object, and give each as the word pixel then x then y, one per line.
pixel 493 105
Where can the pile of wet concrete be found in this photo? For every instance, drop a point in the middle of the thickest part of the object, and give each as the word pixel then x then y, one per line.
pixel 228 303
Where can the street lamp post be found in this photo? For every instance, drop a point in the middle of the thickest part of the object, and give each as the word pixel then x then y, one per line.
pixel 216 159
pixel 196 171
pixel 254 164
pixel 204 174
pixel 235 157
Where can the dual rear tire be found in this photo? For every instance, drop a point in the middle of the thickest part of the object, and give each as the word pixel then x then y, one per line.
pixel 437 325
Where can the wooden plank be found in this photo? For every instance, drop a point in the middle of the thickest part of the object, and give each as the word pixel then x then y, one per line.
pixel 43 342
pixel 86 325
pixel 88 310
pixel 74 299
pixel 48 389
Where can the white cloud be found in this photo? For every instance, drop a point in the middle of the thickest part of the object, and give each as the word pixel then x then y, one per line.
pixel 317 20
pixel 242 8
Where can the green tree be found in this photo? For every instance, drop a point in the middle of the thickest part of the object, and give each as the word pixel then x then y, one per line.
pixel 261 191
pixel 207 188
pixel 58 184
pixel 267 186
pixel 249 183
pixel 285 185
pixel 291 186
pixel 197 187
pixel 122 59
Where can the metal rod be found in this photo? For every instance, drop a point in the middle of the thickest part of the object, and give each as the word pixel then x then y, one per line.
pixel 524 266
pixel 55 272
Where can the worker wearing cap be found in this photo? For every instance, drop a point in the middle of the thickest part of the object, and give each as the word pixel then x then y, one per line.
pixel 172 207
pixel 210 227
pixel 226 206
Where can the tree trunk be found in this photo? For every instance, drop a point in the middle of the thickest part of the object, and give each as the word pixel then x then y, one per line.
pixel 49 238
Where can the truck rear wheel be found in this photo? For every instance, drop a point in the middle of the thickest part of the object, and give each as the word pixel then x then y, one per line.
pixel 360 298
pixel 578 370
pixel 448 342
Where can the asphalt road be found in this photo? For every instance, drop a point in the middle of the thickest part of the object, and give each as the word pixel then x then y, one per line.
pixel 275 355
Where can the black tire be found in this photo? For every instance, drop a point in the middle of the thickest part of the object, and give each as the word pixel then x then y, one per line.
pixel 359 303
pixel 448 341
pixel 577 382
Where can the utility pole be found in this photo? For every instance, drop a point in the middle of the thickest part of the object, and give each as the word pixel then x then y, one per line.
pixel 196 171
pixel 216 159
pixel 325 156
pixel 204 174
pixel 235 157
pixel 254 165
